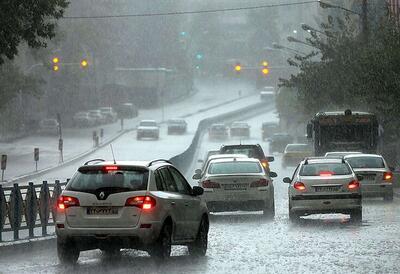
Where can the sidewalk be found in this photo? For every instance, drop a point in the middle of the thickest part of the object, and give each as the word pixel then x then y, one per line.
pixel 79 141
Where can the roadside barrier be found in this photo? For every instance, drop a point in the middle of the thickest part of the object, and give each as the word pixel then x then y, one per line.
pixel 28 207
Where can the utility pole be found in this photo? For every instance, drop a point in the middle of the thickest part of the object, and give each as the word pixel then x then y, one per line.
pixel 364 20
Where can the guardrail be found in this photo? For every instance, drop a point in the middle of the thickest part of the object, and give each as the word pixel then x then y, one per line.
pixel 20 207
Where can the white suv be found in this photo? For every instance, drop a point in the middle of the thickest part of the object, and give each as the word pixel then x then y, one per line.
pixel 141 205
pixel 324 185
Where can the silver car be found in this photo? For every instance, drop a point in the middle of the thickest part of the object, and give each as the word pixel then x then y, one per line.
pixel 233 184
pixel 324 185
pixel 148 129
pixel 142 205
pixel 376 173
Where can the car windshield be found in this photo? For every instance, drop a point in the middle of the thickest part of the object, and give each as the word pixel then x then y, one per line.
pixel 235 167
pixel 92 180
pixel 325 169
pixel 366 162
pixel 148 124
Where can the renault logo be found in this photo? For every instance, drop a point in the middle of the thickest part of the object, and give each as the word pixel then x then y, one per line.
pixel 102 195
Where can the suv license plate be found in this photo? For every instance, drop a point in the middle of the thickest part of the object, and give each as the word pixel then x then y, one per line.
pixel 102 211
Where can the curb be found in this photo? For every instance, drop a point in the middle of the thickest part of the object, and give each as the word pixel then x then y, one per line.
pixel 35 244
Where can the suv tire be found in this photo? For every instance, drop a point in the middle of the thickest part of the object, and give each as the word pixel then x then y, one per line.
pixel 356 215
pixel 162 247
pixel 199 246
pixel 269 212
pixel 67 253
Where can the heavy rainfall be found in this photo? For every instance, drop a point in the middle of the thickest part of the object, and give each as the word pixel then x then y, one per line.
pixel 199 136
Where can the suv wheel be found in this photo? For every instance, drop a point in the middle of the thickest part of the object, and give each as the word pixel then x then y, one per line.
pixel 199 246
pixel 356 215
pixel 67 253
pixel 293 217
pixel 269 212
pixel 162 247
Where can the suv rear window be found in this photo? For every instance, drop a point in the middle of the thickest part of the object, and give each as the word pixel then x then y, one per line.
pixel 234 168
pixel 366 162
pixel 321 169
pixel 91 180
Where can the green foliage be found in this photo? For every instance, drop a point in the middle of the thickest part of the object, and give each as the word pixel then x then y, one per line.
pixel 351 72
pixel 30 21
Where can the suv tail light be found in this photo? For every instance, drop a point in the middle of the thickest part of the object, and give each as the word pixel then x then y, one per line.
pixel 387 176
pixel 210 184
pixel 299 186
pixel 143 202
pixel 259 183
pixel 353 185
pixel 65 202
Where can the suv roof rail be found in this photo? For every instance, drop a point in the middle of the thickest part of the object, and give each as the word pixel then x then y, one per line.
pixel 94 160
pixel 158 160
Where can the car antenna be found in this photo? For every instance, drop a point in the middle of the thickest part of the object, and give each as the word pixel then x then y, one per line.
pixel 112 152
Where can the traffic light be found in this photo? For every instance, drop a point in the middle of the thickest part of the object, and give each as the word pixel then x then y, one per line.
pixel 56 61
pixel 238 67
pixel 84 63
pixel 265 69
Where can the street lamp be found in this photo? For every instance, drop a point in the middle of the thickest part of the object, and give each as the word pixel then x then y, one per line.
pixel 325 5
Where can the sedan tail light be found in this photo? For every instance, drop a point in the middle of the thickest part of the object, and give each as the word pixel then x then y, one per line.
pixel 299 186
pixel 210 184
pixel 259 183
pixel 353 185
pixel 387 176
pixel 143 202
pixel 65 202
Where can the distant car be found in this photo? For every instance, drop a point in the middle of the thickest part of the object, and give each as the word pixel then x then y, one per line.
pixel 324 185
pixel 176 126
pixel 294 153
pixel 97 116
pixel 251 150
pixel 217 156
pixel 49 127
pixel 340 153
pixel 233 184
pixel 125 204
pixel 218 131
pixel 268 129
pixel 377 175
pixel 109 113
pixel 127 110
pixel 83 119
pixel 267 93
pixel 240 129
pixel 279 141
pixel 148 129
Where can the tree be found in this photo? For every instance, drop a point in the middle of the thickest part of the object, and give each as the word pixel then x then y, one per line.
pixel 30 21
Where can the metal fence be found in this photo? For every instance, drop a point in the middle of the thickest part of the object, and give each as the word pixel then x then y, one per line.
pixel 28 207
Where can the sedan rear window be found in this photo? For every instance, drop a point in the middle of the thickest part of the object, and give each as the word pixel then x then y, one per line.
pixel 118 180
pixel 234 168
pixel 325 169
pixel 366 162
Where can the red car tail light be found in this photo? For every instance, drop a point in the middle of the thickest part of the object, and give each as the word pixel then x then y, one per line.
pixel 259 183
pixel 65 202
pixel 387 176
pixel 299 186
pixel 143 202
pixel 210 184
pixel 353 185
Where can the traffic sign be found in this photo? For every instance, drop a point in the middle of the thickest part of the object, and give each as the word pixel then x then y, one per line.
pixel 36 154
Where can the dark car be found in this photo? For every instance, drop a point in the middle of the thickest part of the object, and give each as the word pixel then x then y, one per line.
pixel 268 129
pixel 177 126
pixel 279 141
pixel 240 129
pixel 218 131
pixel 251 150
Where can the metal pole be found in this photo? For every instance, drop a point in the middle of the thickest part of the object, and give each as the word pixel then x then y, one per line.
pixel 364 20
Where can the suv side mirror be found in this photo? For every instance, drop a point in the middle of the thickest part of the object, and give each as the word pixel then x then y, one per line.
pixel 273 174
pixel 270 159
pixel 360 177
pixel 197 191
pixel 287 180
